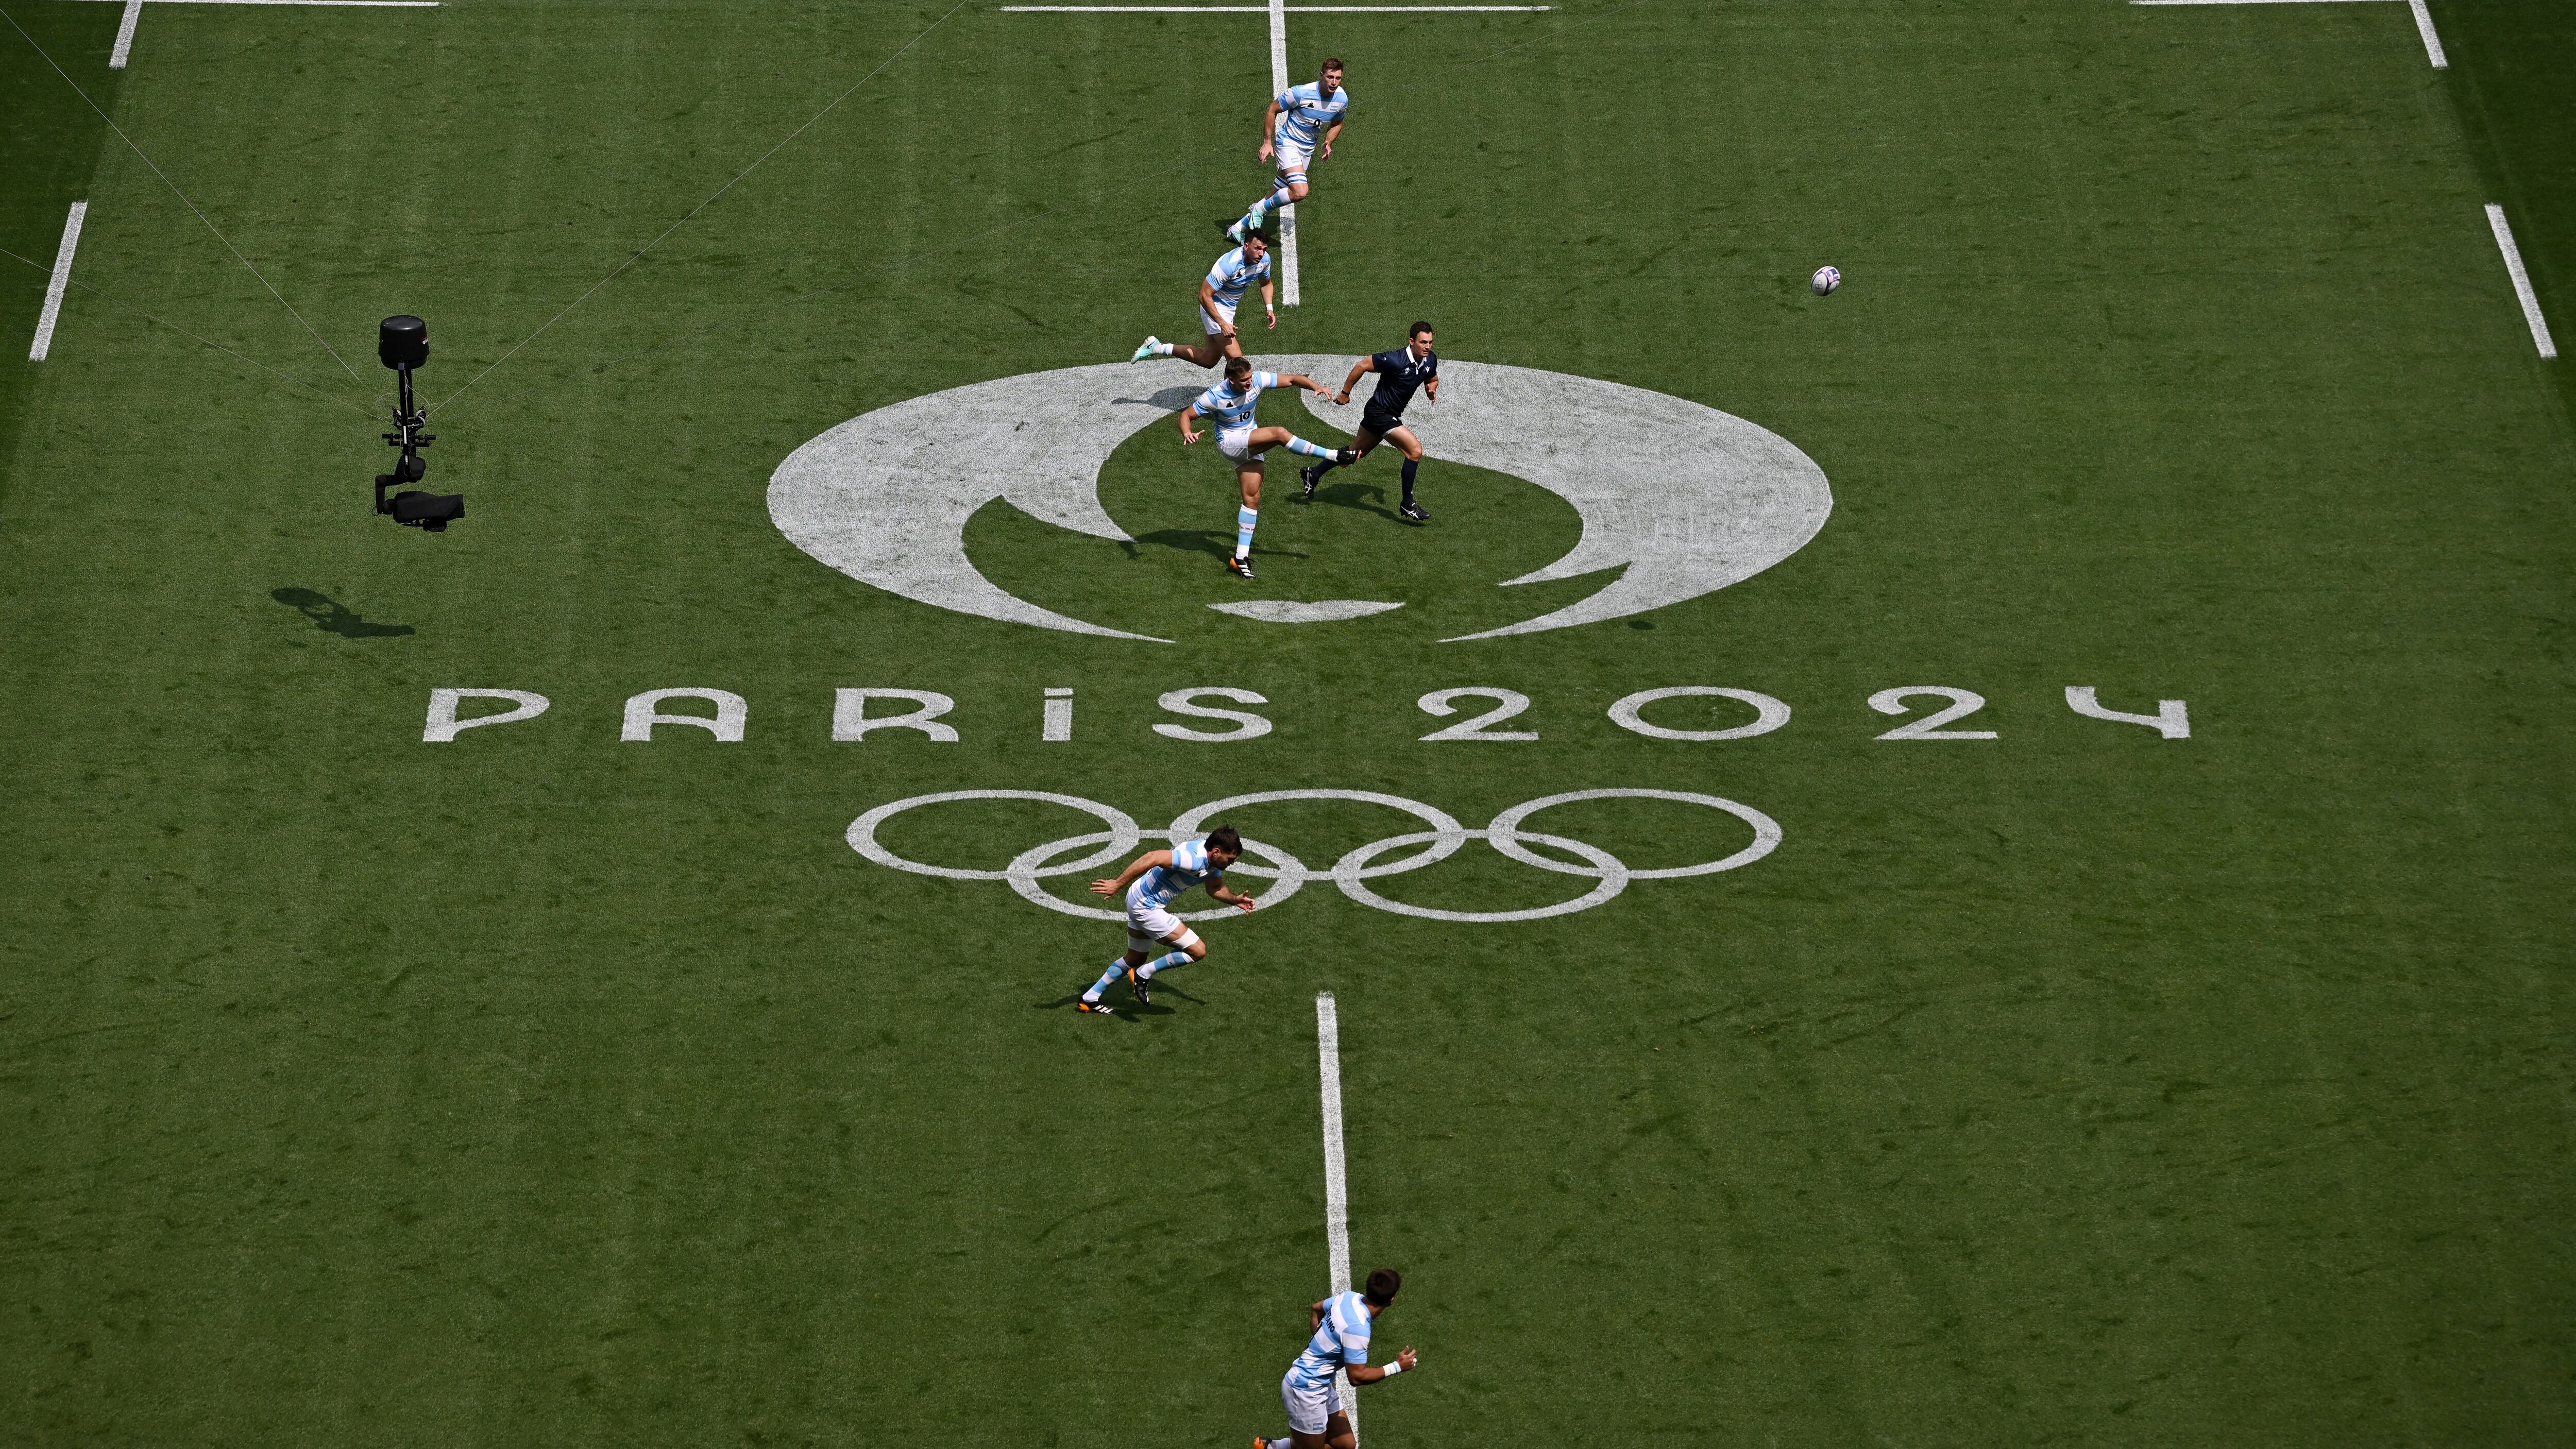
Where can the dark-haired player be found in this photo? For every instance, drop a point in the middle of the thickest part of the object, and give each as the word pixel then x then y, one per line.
pixel 1220 291
pixel 1398 373
pixel 1342 1322
pixel 1230 404
pixel 1151 882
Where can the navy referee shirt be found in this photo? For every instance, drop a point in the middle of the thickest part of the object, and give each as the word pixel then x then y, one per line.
pixel 1397 376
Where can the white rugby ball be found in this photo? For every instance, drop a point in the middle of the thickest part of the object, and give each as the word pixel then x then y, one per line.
pixel 1825 280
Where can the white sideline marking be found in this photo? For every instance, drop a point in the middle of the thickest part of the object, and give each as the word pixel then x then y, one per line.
pixel 125 35
pixel 134 13
pixel 2424 28
pixel 2423 19
pixel 135 6
pixel 1258 10
pixel 1287 213
pixel 1337 1210
pixel 2512 264
pixel 62 279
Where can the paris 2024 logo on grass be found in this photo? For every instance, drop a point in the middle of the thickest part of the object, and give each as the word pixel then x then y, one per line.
pixel 1684 499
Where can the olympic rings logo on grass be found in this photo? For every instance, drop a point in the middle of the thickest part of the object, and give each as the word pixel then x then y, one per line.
pixel 1353 872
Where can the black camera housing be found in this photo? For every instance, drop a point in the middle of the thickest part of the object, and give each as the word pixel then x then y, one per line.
pixel 402 343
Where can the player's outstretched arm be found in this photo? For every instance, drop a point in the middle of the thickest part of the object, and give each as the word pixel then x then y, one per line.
pixel 1188 437
pixel 1369 1374
pixel 1237 899
pixel 1300 380
pixel 1359 369
pixel 1140 864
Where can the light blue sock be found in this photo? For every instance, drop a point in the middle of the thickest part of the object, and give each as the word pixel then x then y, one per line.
pixel 1117 970
pixel 1278 199
pixel 1311 450
pixel 1163 963
pixel 1244 519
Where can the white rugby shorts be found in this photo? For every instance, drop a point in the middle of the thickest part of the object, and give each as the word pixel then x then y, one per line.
pixel 1215 323
pixel 1148 925
pixel 1292 159
pixel 1309 1409
pixel 1236 444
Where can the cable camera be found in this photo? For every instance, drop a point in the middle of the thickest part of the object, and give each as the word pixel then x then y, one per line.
pixel 402 343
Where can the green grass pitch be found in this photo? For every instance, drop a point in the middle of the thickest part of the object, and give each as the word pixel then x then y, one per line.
pixel 540 1088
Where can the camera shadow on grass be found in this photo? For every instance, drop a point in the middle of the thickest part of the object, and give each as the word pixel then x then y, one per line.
pixel 333 617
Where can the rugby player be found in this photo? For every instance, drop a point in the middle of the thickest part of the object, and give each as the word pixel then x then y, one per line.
pixel 1341 1324
pixel 1304 120
pixel 1399 372
pixel 1151 882
pixel 1220 291
pixel 1230 403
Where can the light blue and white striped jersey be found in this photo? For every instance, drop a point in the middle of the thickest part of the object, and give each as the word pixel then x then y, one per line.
pixel 1304 114
pixel 1232 410
pixel 1165 884
pixel 1232 274
pixel 1340 1341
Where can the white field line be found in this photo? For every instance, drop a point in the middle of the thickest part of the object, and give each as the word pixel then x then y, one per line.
pixel 1244 9
pixel 2512 265
pixel 136 6
pixel 1337 1211
pixel 2424 28
pixel 2423 18
pixel 125 35
pixel 62 278
pixel 1288 212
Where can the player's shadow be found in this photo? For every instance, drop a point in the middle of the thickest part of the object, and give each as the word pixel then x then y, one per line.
pixel 1170 399
pixel 333 617
pixel 1358 495
pixel 1130 1012
pixel 1216 543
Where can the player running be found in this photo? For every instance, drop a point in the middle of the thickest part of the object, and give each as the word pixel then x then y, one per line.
pixel 1304 120
pixel 1220 292
pixel 1153 881
pixel 1399 372
pixel 1230 403
pixel 1341 1324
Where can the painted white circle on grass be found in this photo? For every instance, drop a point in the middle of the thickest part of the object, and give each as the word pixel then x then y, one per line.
pixel 1682 498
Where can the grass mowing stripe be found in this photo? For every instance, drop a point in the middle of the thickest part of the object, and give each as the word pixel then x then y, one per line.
pixel 63 274
pixel 703 205
pixel 115 301
pixel 126 34
pixel 2423 18
pixel 2521 280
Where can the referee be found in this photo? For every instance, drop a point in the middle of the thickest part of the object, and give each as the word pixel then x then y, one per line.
pixel 1399 372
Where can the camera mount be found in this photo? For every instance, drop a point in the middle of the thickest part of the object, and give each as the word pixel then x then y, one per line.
pixel 402 343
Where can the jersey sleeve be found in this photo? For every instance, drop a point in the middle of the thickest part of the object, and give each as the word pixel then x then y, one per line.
pixel 1216 274
pixel 1265 379
pixel 1354 1344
